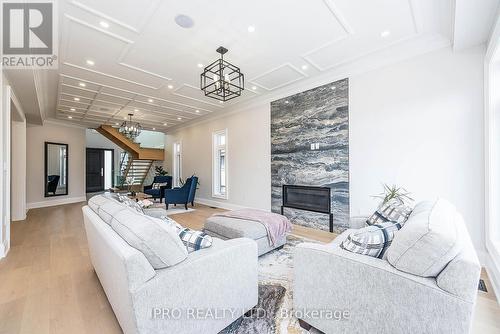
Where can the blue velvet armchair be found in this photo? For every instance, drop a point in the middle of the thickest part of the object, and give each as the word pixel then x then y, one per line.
pixel 158 193
pixel 182 195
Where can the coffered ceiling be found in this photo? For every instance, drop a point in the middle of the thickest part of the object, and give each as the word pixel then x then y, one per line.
pixel 128 56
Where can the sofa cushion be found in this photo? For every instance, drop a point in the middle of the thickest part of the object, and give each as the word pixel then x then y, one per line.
pixel 153 192
pixel 428 241
pixel 131 203
pixel 159 242
pixel 232 228
pixel 105 207
pixel 371 240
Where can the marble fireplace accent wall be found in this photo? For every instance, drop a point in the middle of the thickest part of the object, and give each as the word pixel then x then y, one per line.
pixel 310 146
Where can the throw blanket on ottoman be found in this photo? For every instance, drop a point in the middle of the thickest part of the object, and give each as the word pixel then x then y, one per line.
pixel 275 224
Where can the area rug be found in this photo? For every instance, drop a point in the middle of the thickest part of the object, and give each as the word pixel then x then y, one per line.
pixel 275 296
pixel 172 210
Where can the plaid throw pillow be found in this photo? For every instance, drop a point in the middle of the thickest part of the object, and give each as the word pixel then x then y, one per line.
pixel 158 185
pixel 392 211
pixel 372 240
pixel 193 240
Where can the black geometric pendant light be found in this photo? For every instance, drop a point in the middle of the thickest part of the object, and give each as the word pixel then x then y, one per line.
pixel 222 80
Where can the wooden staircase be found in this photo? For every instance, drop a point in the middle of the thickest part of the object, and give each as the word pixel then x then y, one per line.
pixel 137 169
pixel 138 160
pixel 134 149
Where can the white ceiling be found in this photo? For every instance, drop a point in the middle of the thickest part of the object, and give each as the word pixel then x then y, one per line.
pixel 143 51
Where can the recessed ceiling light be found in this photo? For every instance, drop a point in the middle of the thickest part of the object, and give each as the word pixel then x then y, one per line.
pixel 286 101
pixel 179 118
pixel 154 129
pixel 72 109
pixel 251 28
pixel 82 84
pixel 124 117
pixel 184 21
pixel 170 86
pixel 200 65
pixel 70 117
pixel 197 111
pixel 333 87
pixel 385 33
pixel 90 62
pixel 150 100
pixel 117 123
pixel 104 24
pixel 164 124
pixel 304 67
pixel 254 87
pixel 76 98
pixel 136 110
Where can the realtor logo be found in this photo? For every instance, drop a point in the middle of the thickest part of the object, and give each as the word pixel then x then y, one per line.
pixel 29 36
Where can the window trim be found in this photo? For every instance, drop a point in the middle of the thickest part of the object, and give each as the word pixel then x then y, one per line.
pixel 176 178
pixel 215 175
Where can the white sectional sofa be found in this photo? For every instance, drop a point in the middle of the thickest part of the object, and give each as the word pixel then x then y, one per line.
pixel 400 294
pixel 203 293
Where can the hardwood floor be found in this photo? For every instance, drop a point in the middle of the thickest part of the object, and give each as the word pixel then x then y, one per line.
pixel 47 284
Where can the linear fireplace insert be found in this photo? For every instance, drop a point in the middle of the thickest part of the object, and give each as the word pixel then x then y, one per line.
pixel 309 198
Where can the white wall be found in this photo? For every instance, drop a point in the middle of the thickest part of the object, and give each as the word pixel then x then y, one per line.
pixel 36 136
pixel 18 170
pixel 248 158
pixel 5 114
pixel 417 123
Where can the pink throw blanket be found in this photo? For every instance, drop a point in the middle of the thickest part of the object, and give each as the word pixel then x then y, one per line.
pixel 275 224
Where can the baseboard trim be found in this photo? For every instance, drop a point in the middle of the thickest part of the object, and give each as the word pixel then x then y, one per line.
pixel 54 202
pixel 493 272
pixel 220 204
pixel 15 219
pixel 483 257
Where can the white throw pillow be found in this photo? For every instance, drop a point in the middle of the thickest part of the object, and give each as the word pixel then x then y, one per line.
pixel 158 241
pixel 428 241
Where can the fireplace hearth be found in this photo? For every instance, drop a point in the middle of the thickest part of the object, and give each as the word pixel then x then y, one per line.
pixel 309 198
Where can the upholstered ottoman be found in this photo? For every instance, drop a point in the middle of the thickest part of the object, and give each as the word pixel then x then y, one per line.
pixel 231 228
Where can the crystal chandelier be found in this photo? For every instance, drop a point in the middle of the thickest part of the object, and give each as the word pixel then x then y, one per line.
pixel 222 80
pixel 130 129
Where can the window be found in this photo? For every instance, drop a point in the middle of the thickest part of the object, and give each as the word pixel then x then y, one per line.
pixel 219 177
pixel 108 169
pixel 62 166
pixel 177 159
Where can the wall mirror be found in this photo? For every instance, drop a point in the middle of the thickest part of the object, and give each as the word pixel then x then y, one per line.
pixel 56 169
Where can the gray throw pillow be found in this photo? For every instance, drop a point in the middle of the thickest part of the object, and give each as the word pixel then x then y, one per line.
pixel 428 241
pixel 158 241
pixel 105 207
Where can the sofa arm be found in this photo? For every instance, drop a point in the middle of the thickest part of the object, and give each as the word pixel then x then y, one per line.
pixel 148 187
pixel 222 278
pixel 376 296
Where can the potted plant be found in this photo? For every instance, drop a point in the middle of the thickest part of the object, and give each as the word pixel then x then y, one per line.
pixel 394 193
pixel 160 171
